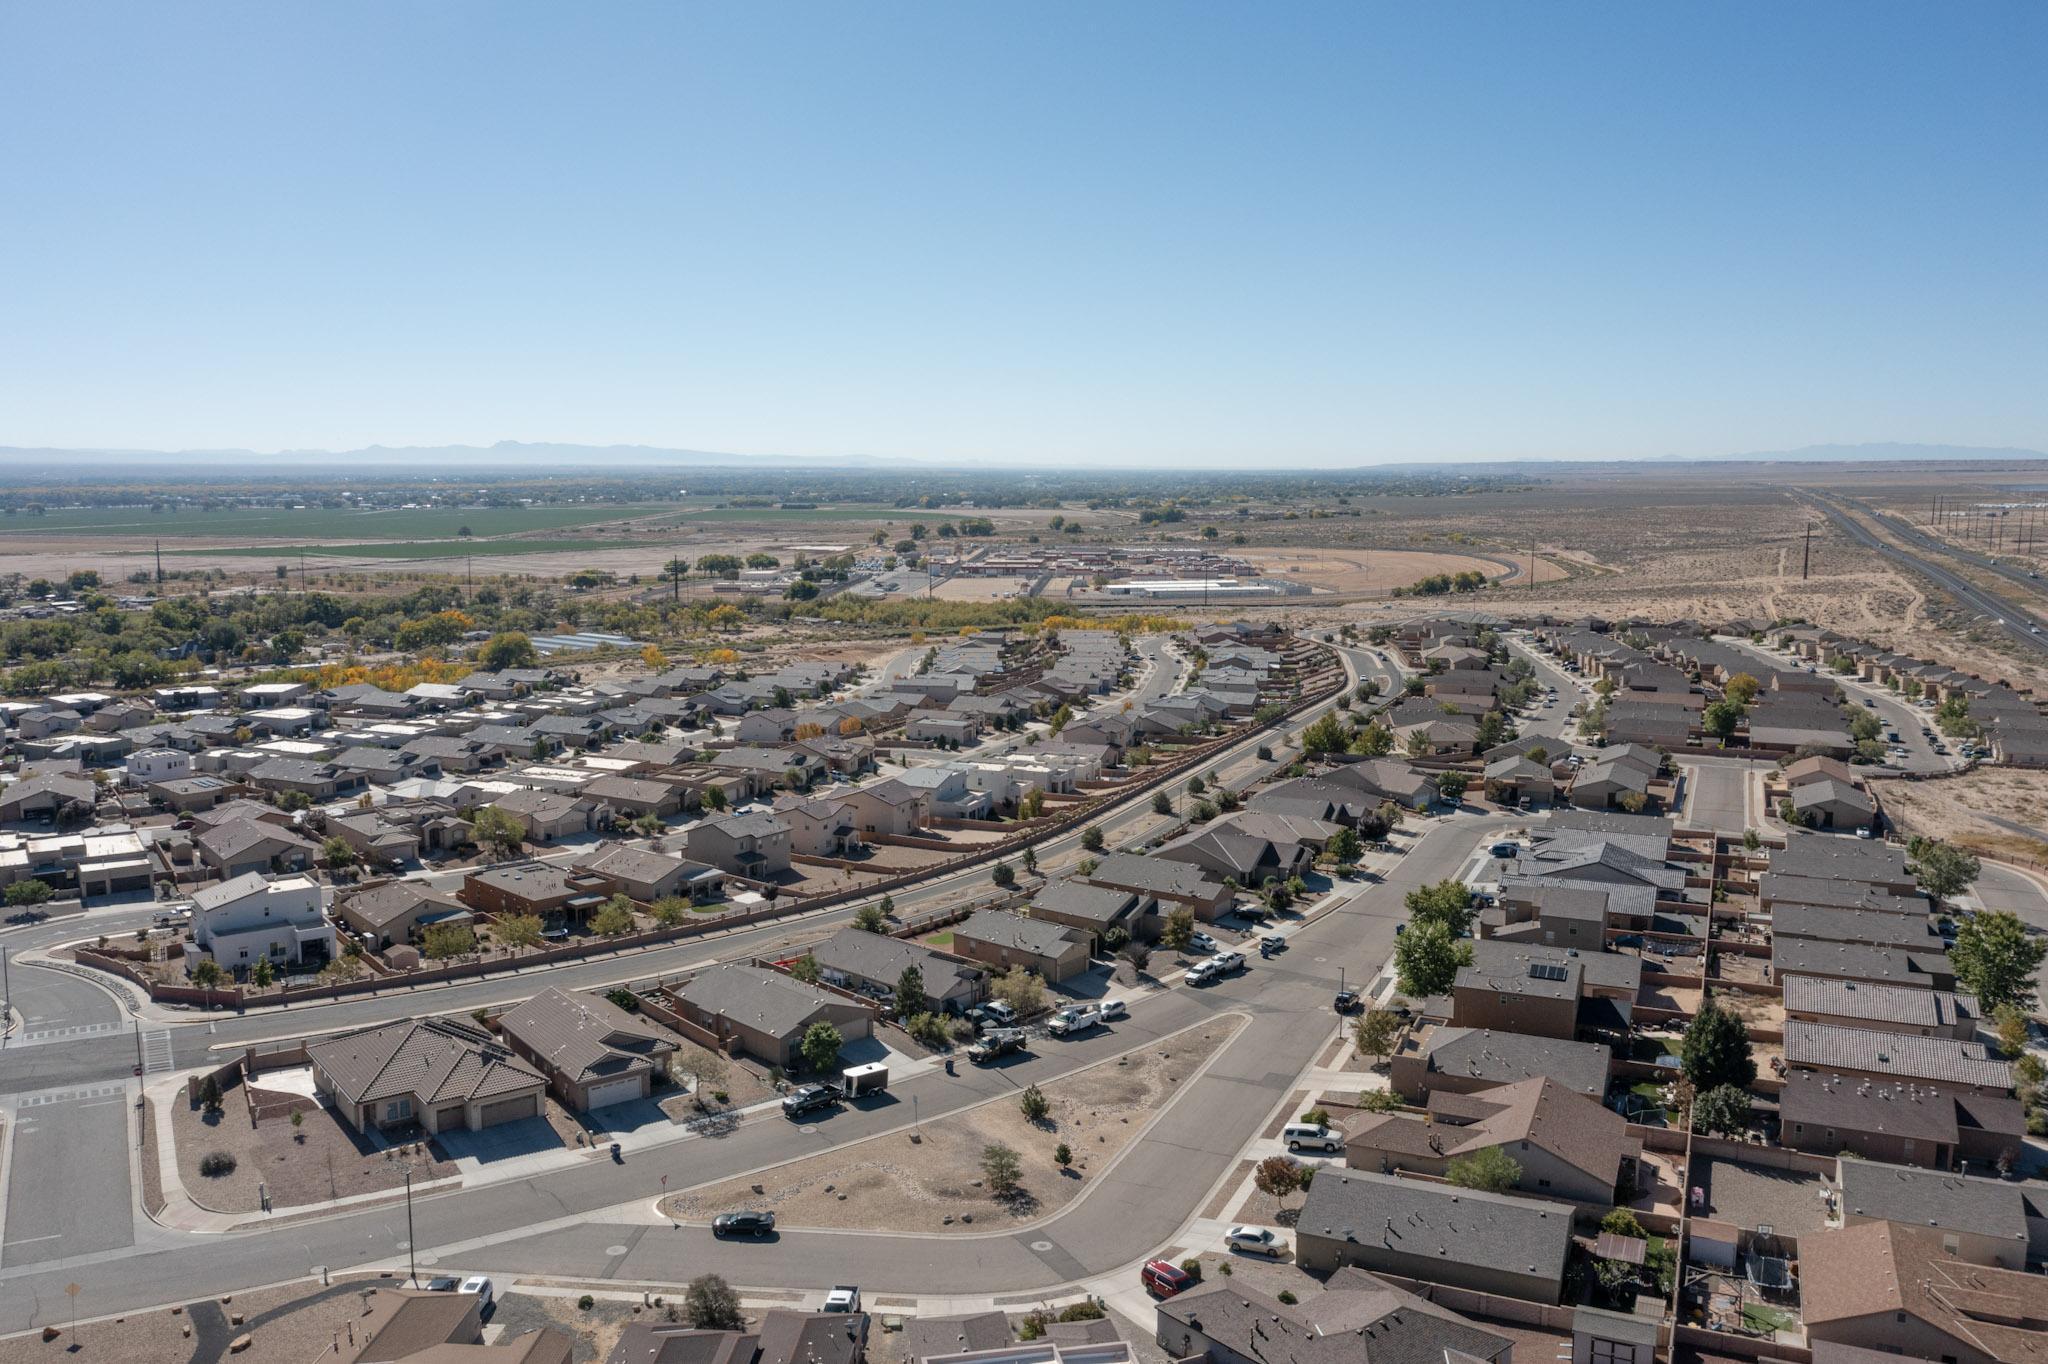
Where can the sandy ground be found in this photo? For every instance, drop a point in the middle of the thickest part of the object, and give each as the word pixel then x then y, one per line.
pixel 892 1183
pixel 1372 570
pixel 1954 809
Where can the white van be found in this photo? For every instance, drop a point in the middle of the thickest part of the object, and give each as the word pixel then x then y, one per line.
pixel 1301 1136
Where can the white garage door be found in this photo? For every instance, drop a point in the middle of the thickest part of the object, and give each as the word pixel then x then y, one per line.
pixel 615 1092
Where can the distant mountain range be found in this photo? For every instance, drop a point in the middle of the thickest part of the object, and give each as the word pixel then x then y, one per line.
pixel 510 456
pixel 1887 451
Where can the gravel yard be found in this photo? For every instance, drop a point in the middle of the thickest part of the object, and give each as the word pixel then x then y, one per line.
pixel 287 1325
pixel 892 1183
pixel 330 1162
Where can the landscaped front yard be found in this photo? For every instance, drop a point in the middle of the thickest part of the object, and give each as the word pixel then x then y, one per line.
pixel 316 1162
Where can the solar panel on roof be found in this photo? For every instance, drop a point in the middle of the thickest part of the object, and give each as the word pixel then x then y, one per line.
pixel 1547 970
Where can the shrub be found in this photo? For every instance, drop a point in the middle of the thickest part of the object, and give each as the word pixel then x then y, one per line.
pixel 1286 1295
pixel 215 1164
pixel 1192 1267
pixel 585 1303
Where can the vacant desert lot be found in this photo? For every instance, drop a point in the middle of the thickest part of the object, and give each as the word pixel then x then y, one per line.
pixel 892 1183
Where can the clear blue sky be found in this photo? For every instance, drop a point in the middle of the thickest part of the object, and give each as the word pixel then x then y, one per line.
pixel 1176 233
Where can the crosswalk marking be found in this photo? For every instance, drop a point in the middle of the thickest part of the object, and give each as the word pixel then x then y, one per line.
pixel 59 1096
pixel 156 1051
pixel 30 1039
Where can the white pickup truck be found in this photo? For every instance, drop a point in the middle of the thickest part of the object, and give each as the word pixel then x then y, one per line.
pixel 1073 1019
pixel 843 1298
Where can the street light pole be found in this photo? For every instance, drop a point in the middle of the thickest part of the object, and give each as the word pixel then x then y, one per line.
pixel 412 1249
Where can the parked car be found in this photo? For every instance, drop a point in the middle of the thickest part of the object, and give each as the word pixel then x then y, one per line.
pixel 443 1283
pixel 1301 1136
pixel 1001 1014
pixel 1112 1009
pixel 1347 1001
pixel 1202 942
pixel 996 1043
pixel 1257 1240
pixel 1201 973
pixel 1163 1279
pixel 808 1099
pixel 479 1287
pixel 1229 960
pixel 743 1224
pixel 843 1298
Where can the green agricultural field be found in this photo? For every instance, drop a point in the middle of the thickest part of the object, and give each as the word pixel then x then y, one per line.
pixel 415 549
pixel 323 523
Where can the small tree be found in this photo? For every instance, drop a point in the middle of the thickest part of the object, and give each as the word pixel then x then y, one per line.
pixel 1003 874
pixel 2013 1028
pixel 1021 990
pixel 1427 959
pixel 1374 1033
pixel 711 1304
pixel 1062 1155
pixel 1452 785
pixel 262 974
pixel 910 997
pixel 805 969
pixel 1722 1110
pixel 613 918
pixel 1447 903
pixel 209 1094
pixel 1943 871
pixel 518 930
pixel 31 892
pixel 442 941
pixel 1344 847
pixel 1092 838
pixel 670 910
pixel 1489 1169
pixel 820 1047
pixel 1162 804
pixel 708 1068
pixel 1033 1104
pixel 496 831
pixel 1751 840
pixel 1716 1050
pixel 337 853
pixel 1179 932
pixel 1001 1168
pixel 1277 1177
pixel 869 919
pixel 1996 958
pixel 207 973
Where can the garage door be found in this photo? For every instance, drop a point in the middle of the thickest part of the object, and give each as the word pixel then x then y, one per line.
pixel 615 1092
pixel 505 1110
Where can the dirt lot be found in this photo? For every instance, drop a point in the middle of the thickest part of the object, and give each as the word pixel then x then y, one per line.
pixel 331 1162
pixel 893 1183
pixel 1379 570
pixel 1954 809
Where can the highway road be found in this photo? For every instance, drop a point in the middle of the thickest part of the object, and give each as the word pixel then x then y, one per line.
pixel 54 1228
pixel 1998 612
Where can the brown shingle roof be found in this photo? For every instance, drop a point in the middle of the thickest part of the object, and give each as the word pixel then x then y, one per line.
pixel 433 1060
pixel 584 1037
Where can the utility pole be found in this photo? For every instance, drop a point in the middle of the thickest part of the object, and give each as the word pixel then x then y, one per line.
pixel 1806 555
pixel 468 578
pixel 302 571
pixel 159 562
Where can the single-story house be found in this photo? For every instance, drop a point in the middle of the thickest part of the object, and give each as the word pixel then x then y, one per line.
pixel 445 1076
pixel 593 1053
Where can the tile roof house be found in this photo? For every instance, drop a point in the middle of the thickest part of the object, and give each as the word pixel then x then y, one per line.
pixel 1438 1233
pixel 1174 884
pixel 398 911
pixel 1987 1217
pixel 594 1053
pixel 1357 1318
pixel 859 960
pixel 1000 940
pixel 1890 1008
pixel 783 1336
pixel 1886 1286
pixel 1467 1060
pixel 766 1012
pixel 444 1075
pixel 247 845
pixel 1567 1144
